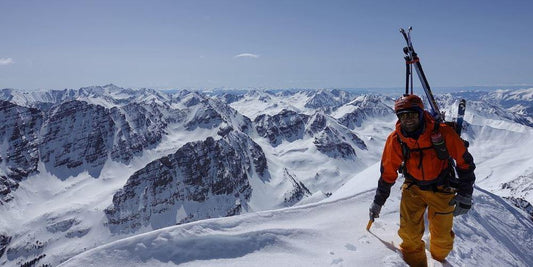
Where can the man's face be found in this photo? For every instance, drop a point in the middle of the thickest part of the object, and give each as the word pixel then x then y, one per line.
pixel 409 121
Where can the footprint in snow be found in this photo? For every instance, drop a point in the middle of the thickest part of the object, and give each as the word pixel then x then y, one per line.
pixel 351 247
pixel 336 261
pixel 393 261
pixel 364 240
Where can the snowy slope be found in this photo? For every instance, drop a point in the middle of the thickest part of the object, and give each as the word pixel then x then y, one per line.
pixel 255 103
pixel 330 233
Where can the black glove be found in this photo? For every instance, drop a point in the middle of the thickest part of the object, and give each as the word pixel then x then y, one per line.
pixel 462 204
pixel 374 211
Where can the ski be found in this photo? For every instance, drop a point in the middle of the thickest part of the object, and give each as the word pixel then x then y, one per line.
pixel 412 59
pixel 460 116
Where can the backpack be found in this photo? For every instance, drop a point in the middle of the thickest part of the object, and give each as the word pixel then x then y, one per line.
pixel 446 178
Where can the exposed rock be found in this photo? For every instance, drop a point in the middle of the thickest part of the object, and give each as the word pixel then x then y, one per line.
pixel 328 143
pixel 365 108
pixel 298 191
pixel 327 99
pixel 4 242
pixel 317 123
pixel 33 261
pixel 108 96
pixel 192 100
pixel 25 249
pixel 201 180
pixel 522 204
pixel 138 128
pixel 287 125
pixel 207 118
pixel 19 142
pixel 211 113
pixel 519 189
pixel 77 137
pixel 230 98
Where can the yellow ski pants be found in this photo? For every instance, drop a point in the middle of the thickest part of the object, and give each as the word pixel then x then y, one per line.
pixel 440 217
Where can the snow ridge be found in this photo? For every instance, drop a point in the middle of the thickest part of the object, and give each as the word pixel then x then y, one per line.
pixel 327 233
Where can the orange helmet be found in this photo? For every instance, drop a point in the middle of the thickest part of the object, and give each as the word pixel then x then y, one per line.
pixel 408 102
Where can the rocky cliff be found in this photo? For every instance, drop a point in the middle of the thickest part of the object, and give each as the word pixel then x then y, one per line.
pixel 19 145
pixel 201 180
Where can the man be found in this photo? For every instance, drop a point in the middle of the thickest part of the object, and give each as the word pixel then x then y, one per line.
pixel 423 150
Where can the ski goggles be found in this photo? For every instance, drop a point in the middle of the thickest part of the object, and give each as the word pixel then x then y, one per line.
pixel 406 115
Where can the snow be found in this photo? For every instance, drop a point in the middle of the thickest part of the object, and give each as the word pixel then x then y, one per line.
pixel 329 233
pixel 312 235
pixel 518 94
pixel 256 103
pixel 319 231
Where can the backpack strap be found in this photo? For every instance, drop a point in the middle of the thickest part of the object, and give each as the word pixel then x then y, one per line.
pixel 439 145
pixel 405 155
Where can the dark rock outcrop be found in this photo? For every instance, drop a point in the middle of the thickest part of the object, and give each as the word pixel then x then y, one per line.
pixel 521 204
pixel 287 125
pixel 4 242
pixel 19 145
pixel 211 113
pixel 201 180
pixel 329 143
pixel 298 191
pixel 335 142
pixel 366 107
pixel 138 128
pixel 327 99
pixel 77 137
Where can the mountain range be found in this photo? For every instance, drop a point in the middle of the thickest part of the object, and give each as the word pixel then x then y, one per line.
pixel 91 168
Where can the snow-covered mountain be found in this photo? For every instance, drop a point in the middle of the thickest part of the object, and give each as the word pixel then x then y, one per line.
pixel 107 96
pixel 204 179
pixel 82 168
pixel 513 105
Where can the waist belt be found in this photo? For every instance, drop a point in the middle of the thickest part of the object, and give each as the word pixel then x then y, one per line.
pixel 439 184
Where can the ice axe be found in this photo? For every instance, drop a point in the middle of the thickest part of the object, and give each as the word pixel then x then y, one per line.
pixel 373 214
pixel 369 224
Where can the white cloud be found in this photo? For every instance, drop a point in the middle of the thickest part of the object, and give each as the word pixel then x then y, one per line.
pixel 6 61
pixel 246 55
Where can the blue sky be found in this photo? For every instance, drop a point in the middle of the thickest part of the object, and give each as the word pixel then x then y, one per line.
pixel 267 44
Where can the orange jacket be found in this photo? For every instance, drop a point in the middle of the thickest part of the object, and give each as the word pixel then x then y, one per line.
pixel 423 164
